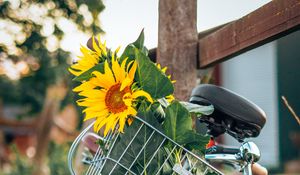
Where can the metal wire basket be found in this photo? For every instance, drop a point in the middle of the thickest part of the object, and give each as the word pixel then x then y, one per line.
pixel 151 156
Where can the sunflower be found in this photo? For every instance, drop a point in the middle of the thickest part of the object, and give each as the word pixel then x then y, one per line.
pixel 110 96
pixel 89 58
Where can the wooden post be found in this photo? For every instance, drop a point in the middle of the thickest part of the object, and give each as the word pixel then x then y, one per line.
pixel 177 43
pixel 53 98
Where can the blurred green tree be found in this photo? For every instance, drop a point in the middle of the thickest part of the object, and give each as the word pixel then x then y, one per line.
pixel 31 56
pixel 57 161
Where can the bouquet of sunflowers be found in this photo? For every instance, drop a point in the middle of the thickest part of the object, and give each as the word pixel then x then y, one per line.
pixel 115 89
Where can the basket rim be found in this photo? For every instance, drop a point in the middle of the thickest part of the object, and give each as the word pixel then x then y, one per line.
pixel 82 134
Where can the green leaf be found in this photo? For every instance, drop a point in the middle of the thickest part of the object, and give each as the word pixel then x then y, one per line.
pixel 194 141
pixel 178 126
pixel 190 136
pixel 198 109
pixel 136 146
pixel 88 74
pixel 129 51
pixel 177 122
pixel 139 43
pixel 151 79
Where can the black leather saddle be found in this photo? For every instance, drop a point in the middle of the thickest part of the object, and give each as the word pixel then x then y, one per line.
pixel 233 113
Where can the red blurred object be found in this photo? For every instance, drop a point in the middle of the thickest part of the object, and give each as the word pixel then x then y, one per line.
pixel 211 143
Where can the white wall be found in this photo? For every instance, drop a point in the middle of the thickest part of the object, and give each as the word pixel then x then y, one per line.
pixel 253 75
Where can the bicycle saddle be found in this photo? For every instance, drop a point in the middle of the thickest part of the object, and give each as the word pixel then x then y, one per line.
pixel 233 113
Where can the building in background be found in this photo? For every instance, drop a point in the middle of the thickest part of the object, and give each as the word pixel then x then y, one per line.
pixel 263 75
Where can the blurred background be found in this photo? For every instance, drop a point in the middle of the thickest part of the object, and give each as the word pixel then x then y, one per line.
pixel 38 116
pixel 40 39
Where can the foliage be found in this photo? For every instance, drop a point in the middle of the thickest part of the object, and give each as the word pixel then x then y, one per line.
pixel 20 165
pixel 178 126
pixel 151 79
pixel 57 158
pixel 135 148
pixel 35 30
pixel 57 161
pixel 174 118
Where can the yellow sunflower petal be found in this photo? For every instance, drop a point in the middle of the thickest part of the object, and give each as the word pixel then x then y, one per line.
pixel 85 51
pixel 132 70
pixel 88 57
pixel 127 99
pixel 96 82
pixel 117 70
pixel 118 49
pixel 122 120
pixel 94 93
pixel 98 115
pixel 108 73
pixel 126 82
pixel 102 46
pixel 115 123
pixel 95 45
pixel 131 111
pixel 74 72
pixel 88 102
pixel 158 66
pixel 80 67
pixel 110 123
pixel 140 93
pixel 98 121
pixel 102 123
pixel 129 65
pixel 104 80
pixel 84 86
pixel 85 62
pixel 95 108
pixel 170 98
pixel 123 64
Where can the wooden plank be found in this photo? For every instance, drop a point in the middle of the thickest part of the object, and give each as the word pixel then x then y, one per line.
pixel 153 52
pixel 272 21
pixel 16 123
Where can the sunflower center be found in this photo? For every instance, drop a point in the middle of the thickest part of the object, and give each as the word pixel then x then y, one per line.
pixel 114 98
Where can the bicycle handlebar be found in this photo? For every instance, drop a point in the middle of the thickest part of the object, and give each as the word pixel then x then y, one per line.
pixel 222 150
pixel 245 156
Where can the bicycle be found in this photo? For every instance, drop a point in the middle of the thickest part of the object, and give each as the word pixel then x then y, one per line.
pixel 236 116
pixel 232 114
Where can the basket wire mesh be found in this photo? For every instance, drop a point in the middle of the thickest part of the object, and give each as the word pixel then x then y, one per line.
pixel 107 161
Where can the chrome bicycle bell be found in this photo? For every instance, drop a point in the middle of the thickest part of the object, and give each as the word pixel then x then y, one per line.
pixel 250 152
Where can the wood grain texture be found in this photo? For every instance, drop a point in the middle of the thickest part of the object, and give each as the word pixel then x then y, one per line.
pixel 177 43
pixel 273 20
